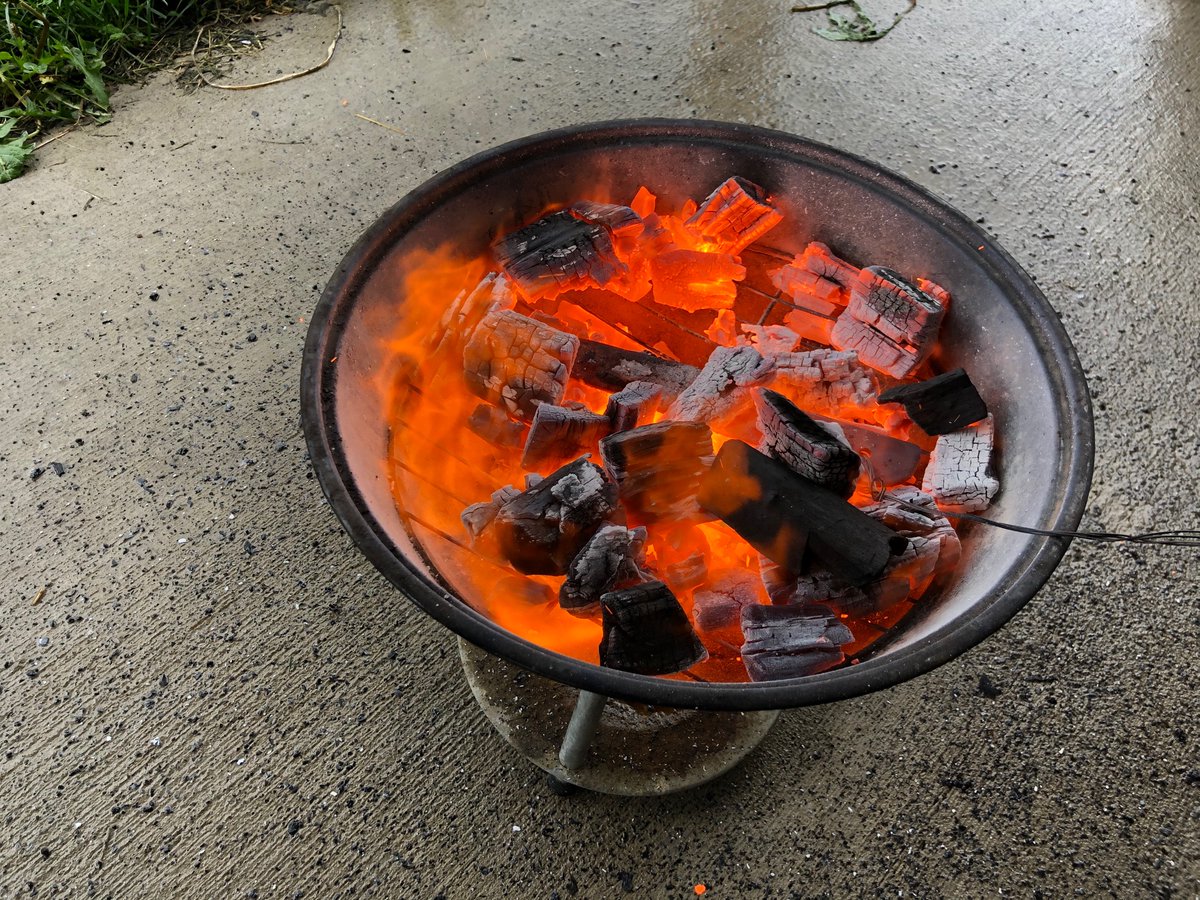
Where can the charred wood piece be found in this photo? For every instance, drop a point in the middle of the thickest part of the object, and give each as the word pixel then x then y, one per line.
pixel 558 434
pixel 889 459
pixel 939 405
pixel 646 631
pixel 559 252
pixel 933 546
pixel 493 425
pixel 659 468
pixel 805 446
pixel 935 290
pixel 693 281
pixel 542 529
pixel 958 474
pixel 722 384
pixel 517 363
pixel 633 403
pixel 720 606
pixel 688 572
pixel 734 216
pixel 771 340
pixel 790 642
pixel 890 322
pixel 611 368
pixel 909 511
pixel 619 220
pixel 613 558
pixel 477 517
pixel 493 293
pixel 824 381
pixel 782 515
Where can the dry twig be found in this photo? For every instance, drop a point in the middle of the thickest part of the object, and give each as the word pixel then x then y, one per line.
pixel 281 78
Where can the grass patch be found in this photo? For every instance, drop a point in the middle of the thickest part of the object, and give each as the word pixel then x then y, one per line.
pixel 57 55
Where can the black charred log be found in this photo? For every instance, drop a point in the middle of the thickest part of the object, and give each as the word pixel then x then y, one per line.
pixel 659 468
pixel 612 369
pixel 612 559
pixel 558 434
pixel 646 631
pixel 791 436
pixel 559 252
pixel 542 529
pixel 941 404
pixel 782 515
pixel 633 403
pixel 790 641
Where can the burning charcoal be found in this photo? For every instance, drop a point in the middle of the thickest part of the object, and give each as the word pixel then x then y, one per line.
pixel 932 545
pixel 658 468
pixel 495 427
pixel 633 403
pixel 779 513
pixel 939 405
pixel 803 445
pixel 612 369
pixel 821 261
pixel 559 252
pixel 721 605
pixel 957 475
pixel 896 511
pixel 559 434
pixel 891 323
pixel 790 642
pixel 889 459
pixel 516 362
pixel 935 290
pixel 492 294
pixel 734 216
pixel 646 631
pixel 771 340
pixel 478 516
pixel 688 572
pixel 693 280
pixel 824 381
pixel 620 220
pixel 542 529
pixel 612 559
pixel 723 382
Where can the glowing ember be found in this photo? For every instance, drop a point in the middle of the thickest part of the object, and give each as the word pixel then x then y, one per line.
pixel 644 438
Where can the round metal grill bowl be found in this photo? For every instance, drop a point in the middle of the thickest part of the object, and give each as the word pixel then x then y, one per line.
pixel 1000 328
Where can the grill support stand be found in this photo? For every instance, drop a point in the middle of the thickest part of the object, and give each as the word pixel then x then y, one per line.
pixel 581 730
pixel 587 740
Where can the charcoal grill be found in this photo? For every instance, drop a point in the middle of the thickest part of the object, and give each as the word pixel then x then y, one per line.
pixel 1001 329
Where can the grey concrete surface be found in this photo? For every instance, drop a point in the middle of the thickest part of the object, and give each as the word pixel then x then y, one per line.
pixel 218 697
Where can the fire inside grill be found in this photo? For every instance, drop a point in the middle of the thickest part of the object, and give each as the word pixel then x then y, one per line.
pixel 644 438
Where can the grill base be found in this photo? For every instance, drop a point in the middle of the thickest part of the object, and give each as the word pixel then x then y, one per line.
pixel 637 750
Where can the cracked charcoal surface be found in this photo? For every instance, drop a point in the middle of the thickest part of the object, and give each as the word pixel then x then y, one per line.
pixel 958 474
pixel 518 363
pixel 723 382
pixel 366 766
pixel 890 323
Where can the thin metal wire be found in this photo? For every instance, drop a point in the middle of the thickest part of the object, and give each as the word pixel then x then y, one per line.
pixel 1173 538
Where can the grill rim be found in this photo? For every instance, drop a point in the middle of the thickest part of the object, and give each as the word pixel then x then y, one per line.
pixel 1023 579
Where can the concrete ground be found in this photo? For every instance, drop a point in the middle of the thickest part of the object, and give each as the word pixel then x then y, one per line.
pixel 216 696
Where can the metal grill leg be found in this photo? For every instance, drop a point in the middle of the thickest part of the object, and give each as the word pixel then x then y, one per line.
pixel 581 729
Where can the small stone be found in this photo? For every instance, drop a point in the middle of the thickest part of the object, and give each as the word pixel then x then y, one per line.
pixel 293 827
pixel 43 642
pixel 36 472
pixel 251 337
pixel 58 468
